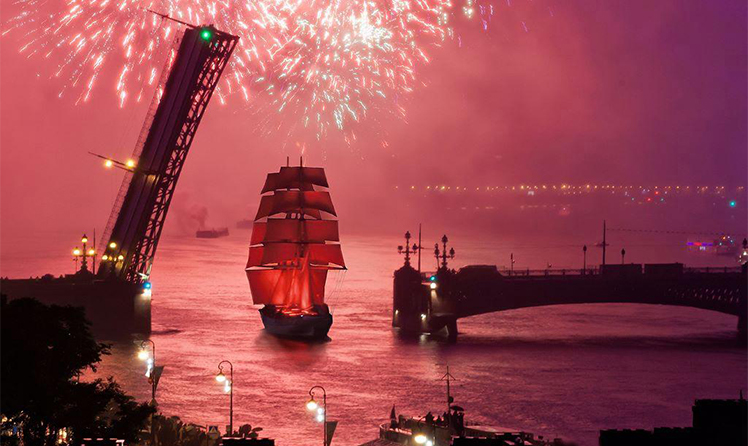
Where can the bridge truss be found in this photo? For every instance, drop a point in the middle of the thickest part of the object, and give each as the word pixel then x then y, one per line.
pixel 138 216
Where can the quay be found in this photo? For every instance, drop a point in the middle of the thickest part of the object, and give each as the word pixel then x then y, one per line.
pixel 425 302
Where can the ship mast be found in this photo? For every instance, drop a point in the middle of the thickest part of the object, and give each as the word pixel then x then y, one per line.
pixel 447 377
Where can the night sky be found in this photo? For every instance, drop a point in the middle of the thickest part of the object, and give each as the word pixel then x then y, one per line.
pixel 634 92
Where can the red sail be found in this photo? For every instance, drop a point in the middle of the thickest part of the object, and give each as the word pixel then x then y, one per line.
pixel 322 230
pixel 292 230
pixel 300 288
pixel 294 201
pixel 295 178
pixel 273 254
pixel 258 233
pixel 289 253
pixel 326 254
pixel 289 257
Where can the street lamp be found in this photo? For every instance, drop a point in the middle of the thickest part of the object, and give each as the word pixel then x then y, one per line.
pixel 511 264
pixel 150 360
pixel 83 254
pixel 584 262
pixel 228 387
pixel 321 412
pixel 623 256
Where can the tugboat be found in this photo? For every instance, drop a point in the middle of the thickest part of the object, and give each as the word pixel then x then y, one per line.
pixel 451 429
pixel 294 245
pixel 212 233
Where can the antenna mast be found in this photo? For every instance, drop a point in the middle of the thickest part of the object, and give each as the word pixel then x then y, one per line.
pixel 448 377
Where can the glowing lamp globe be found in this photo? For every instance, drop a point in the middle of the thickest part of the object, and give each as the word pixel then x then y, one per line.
pixel 311 405
pixel 206 34
pixel 220 377
pixel 143 355
pixel 420 439
pixel 112 245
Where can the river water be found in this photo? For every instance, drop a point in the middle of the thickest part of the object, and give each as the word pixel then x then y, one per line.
pixel 563 371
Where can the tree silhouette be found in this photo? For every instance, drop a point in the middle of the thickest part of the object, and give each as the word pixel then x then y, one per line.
pixel 44 351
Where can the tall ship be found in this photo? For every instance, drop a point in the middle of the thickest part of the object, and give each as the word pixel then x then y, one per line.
pixel 294 245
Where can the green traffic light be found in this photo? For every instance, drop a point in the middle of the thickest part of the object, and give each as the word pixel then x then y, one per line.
pixel 206 34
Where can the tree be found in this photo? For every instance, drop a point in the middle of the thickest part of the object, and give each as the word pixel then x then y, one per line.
pixel 44 351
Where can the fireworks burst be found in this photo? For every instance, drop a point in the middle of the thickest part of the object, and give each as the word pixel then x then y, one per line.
pixel 321 64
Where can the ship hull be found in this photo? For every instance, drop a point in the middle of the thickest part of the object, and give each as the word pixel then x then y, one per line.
pixel 303 327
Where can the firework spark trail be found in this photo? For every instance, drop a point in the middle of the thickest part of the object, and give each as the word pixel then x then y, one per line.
pixel 322 63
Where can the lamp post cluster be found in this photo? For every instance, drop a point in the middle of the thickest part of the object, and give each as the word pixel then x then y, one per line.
pixel 444 254
pixel 111 257
pixel 83 255
pixel 153 373
pixel 408 250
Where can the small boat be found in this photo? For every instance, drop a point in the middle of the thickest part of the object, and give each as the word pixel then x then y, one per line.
pixel 293 247
pixel 212 233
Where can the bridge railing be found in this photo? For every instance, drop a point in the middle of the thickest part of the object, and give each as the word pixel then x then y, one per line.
pixel 527 272
pixel 713 270
pixel 592 271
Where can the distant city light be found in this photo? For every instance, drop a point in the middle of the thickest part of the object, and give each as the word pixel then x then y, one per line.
pixel 206 34
pixel 112 245
pixel 733 203
pixel 108 163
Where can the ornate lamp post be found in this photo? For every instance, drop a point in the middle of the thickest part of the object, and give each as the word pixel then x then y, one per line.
pixel 228 387
pixel 584 262
pixel 443 256
pixel 150 359
pixel 623 256
pixel 321 415
pixel 511 264
pixel 408 250
pixel 83 254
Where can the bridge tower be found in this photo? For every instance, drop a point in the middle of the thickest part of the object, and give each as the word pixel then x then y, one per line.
pixel 137 218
